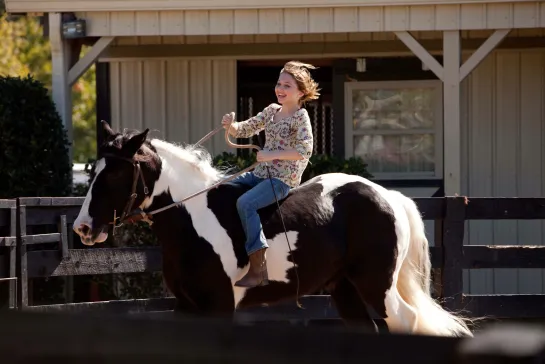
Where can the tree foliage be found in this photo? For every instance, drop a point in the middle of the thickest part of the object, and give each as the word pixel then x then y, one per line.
pixel 35 161
pixel 25 51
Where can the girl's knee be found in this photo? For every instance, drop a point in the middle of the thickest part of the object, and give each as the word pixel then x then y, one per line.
pixel 244 204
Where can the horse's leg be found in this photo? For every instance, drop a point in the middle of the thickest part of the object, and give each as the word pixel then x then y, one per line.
pixel 183 304
pixel 351 307
pixel 399 316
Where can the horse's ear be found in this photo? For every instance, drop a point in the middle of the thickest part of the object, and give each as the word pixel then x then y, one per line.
pixel 108 132
pixel 134 143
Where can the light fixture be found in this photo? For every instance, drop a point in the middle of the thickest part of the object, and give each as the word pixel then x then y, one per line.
pixel 74 29
pixel 361 65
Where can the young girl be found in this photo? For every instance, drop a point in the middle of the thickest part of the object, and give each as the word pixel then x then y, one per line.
pixel 288 147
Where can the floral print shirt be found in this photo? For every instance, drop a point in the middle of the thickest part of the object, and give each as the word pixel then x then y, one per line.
pixel 290 132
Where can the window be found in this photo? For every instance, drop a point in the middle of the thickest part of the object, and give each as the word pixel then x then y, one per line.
pixel 396 127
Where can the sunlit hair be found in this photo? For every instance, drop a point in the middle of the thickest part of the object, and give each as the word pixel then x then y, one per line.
pixel 301 74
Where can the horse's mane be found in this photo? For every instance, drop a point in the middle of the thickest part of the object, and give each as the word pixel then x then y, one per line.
pixel 194 155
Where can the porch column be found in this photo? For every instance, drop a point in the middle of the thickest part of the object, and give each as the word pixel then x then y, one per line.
pixel 68 68
pixel 62 96
pixel 452 167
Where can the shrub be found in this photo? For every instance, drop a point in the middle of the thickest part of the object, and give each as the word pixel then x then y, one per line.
pixel 33 140
pixel 35 160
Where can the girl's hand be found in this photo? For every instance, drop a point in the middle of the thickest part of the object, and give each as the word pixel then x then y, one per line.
pixel 227 120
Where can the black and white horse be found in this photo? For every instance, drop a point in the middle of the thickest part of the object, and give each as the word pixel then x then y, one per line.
pixel 364 242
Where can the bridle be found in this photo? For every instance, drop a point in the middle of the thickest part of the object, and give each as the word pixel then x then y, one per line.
pixel 137 174
pixel 132 216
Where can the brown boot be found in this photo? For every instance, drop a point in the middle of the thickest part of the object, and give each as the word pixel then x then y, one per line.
pixel 257 274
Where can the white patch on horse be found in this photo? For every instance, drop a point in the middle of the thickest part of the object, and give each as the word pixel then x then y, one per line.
pixel 182 174
pixel 277 261
pixel 278 253
pixel 330 183
pixel 83 216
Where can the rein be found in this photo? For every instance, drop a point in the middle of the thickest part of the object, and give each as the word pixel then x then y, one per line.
pixel 139 215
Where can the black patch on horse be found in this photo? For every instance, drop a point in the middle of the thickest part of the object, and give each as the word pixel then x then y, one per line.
pixel 297 210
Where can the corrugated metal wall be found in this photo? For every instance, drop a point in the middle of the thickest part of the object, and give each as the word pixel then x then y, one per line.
pixel 504 156
pixel 179 100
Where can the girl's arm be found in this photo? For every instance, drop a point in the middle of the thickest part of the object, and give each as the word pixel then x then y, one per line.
pixel 251 126
pixel 303 144
pixel 286 154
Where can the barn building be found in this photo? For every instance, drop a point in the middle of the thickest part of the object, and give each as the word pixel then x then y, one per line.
pixel 439 97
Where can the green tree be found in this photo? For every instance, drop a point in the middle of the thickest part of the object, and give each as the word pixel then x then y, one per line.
pixel 25 51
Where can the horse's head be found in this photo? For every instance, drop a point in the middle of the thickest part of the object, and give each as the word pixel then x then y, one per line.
pixel 124 176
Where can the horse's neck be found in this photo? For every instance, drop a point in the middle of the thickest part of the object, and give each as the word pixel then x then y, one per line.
pixel 179 176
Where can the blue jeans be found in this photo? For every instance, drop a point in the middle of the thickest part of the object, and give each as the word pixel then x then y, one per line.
pixel 259 196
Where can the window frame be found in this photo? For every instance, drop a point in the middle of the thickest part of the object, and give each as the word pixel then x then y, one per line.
pixel 437 130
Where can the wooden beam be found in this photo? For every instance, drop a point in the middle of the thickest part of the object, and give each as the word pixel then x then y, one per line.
pixel 497 306
pixel 265 51
pixel 504 256
pixel 484 50
pixel 19 6
pixel 451 112
pixel 421 53
pixel 60 58
pixel 90 57
pixel 309 50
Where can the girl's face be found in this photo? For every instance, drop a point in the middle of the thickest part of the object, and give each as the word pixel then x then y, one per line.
pixel 286 90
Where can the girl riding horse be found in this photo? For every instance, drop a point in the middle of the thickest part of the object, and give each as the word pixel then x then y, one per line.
pixel 288 146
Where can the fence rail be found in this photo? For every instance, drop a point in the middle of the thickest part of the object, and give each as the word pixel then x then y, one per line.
pixel 37 337
pixel 449 257
pixel 8 248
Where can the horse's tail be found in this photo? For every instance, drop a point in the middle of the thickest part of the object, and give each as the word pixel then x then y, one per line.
pixel 414 282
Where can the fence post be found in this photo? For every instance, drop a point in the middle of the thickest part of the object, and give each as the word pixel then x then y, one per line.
pixel 453 240
pixel 437 272
pixel 22 274
pixel 13 259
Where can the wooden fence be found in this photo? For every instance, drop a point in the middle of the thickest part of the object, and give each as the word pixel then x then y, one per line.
pixel 8 246
pixel 39 337
pixel 449 258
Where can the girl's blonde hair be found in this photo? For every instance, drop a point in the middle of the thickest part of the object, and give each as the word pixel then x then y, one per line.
pixel 300 72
